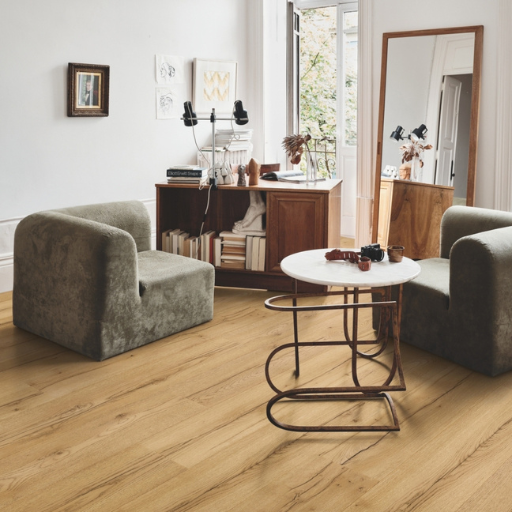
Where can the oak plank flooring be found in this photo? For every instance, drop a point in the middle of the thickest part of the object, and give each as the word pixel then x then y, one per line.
pixel 180 424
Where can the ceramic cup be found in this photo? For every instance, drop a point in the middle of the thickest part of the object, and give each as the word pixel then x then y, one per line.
pixel 395 253
pixel 365 263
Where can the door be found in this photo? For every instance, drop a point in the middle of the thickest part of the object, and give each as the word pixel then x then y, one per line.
pixel 448 126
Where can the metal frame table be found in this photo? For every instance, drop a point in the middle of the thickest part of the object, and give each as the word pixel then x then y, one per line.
pixel 312 267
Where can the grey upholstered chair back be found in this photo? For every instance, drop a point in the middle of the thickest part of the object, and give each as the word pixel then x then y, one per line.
pixel 130 216
pixel 460 221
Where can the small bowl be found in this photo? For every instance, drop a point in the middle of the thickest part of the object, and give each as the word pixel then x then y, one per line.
pixel 364 263
pixel 395 253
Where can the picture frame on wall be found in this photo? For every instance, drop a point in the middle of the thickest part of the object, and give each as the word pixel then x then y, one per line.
pixel 88 90
pixel 214 84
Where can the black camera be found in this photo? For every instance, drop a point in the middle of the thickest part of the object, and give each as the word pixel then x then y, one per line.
pixel 373 251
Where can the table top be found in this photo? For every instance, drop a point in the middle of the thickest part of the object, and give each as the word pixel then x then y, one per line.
pixel 312 267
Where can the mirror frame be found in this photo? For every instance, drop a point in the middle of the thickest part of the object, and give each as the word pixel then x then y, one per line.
pixel 478 30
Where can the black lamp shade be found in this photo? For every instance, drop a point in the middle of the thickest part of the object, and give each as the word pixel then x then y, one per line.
pixel 397 134
pixel 240 114
pixel 189 117
pixel 420 132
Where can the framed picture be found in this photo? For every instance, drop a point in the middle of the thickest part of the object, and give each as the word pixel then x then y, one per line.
pixel 214 85
pixel 88 86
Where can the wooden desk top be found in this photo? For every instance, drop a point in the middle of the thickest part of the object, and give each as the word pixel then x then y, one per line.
pixel 267 185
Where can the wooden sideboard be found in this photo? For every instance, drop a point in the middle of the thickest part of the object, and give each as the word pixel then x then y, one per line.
pixel 299 217
pixel 410 215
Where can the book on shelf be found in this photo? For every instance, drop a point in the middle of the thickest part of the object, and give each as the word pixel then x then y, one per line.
pixel 217 251
pixel 248 252
pixel 205 253
pixel 180 180
pixel 186 170
pixel 255 252
pixel 261 254
pixel 232 264
pixel 175 239
pixel 232 238
pixel 233 249
pixel 181 242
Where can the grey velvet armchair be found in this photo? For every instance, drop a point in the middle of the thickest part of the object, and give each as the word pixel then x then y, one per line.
pixel 85 278
pixel 460 306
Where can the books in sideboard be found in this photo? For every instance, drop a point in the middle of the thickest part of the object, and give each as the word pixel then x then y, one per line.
pixel 225 250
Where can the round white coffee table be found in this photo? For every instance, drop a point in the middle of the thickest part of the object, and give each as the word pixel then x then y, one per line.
pixel 313 267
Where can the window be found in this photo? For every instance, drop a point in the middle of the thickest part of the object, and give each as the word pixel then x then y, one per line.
pixel 323 78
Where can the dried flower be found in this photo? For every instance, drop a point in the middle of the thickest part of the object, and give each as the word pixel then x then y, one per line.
pixel 413 149
pixel 293 145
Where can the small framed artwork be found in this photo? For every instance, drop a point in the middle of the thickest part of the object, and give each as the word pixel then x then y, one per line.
pixel 214 85
pixel 88 87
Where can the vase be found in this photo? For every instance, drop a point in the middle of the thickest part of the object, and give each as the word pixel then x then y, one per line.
pixel 311 168
pixel 416 169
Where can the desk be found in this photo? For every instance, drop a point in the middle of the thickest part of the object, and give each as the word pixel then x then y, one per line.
pixel 312 267
pixel 298 217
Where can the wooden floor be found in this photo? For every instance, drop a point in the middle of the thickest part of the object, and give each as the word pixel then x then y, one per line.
pixel 180 425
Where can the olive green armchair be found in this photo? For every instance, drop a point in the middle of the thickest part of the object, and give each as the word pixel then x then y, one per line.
pixel 460 306
pixel 86 278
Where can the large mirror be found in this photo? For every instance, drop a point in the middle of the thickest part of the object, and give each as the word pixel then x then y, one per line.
pixel 431 78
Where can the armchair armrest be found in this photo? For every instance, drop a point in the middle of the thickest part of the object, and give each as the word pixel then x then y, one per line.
pixel 66 264
pixel 480 277
pixel 461 221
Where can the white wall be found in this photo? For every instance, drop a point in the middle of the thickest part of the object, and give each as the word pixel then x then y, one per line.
pixel 398 15
pixel 48 160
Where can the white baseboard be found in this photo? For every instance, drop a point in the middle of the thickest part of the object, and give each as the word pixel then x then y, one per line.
pixel 7 228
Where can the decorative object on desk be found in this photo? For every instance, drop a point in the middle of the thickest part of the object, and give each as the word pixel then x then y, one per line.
pixel 365 264
pixel 266 168
pixel 241 176
pixel 294 146
pixel 88 90
pixel 405 171
pixel 311 167
pixel 396 253
pixel 214 85
pixel 373 251
pixel 227 174
pixel 254 172
pixel 252 223
pixel 278 175
pixel 338 254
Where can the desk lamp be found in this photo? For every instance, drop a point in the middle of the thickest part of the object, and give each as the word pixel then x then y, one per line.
pixel 190 119
pixel 417 133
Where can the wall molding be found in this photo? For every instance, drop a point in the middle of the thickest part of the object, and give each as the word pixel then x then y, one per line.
pixel 503 169
pixel 8 227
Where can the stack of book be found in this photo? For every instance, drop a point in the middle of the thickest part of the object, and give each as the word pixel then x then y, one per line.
pixel 233 147
pixel 187 174
pixel 255 253
pixel 179 242
pixel 233 250
pixel 234 140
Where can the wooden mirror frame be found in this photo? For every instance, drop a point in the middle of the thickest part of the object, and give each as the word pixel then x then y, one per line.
pixel 475 109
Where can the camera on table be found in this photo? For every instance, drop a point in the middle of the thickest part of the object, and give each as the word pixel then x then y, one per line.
pixel 373 251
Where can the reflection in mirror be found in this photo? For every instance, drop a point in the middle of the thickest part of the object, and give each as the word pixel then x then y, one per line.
pixel 436 92
pixel 430 78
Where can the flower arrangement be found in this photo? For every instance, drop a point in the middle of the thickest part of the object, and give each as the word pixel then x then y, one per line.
pixel 294 146
pixel 413 148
